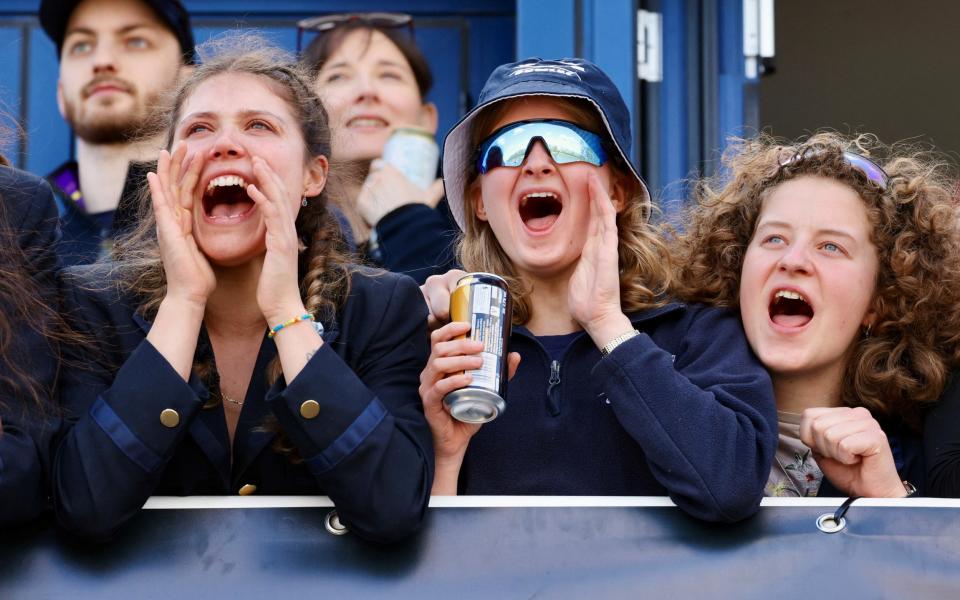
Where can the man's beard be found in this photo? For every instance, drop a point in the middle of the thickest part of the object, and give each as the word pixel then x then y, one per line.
pixel 138 122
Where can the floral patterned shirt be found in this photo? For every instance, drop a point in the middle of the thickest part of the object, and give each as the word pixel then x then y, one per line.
pixel 794 473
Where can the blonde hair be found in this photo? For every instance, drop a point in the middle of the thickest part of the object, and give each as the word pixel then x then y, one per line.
pixel 645 271
pixel 904 363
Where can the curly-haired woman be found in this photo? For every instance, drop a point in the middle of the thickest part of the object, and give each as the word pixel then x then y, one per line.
pixel 847 277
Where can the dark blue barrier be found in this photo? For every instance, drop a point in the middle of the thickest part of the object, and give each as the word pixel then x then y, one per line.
pixel 279 548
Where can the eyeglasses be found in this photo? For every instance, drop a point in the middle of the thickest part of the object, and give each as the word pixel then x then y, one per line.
pixel 869 168
pixel 326 23
pixel 566 143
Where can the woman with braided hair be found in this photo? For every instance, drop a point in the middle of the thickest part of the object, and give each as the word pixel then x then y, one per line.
pixel 241 351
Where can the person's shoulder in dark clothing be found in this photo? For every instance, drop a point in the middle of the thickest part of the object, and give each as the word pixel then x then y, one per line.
pixel 30 362
pixel 85 237
pixel 31 219
pixel 417 240
pixel 941 441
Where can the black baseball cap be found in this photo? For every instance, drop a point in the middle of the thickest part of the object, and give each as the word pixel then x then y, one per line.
pixel 563 78
pixel 54 15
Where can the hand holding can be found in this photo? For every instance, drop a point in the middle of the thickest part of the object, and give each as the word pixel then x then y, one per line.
pixel 483 301
pixel 414 153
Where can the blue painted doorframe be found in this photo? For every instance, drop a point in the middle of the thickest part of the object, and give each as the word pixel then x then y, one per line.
pixel 604 31
pixel 681 124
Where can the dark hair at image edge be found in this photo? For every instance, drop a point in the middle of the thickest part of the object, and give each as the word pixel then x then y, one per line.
pixel 22 306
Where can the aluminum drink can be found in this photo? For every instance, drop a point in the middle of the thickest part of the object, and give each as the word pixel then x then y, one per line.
pixel 482 300
pixel 414 153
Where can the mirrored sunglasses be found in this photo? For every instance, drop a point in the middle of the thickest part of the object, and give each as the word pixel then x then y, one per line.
pixel 566 143
pixel 326 23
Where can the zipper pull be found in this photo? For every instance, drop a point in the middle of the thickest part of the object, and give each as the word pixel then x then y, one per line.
pixel 553 389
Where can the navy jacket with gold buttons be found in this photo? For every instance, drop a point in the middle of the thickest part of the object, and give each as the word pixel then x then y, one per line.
pixel 140 430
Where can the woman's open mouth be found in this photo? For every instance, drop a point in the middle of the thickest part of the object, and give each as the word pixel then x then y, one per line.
pixel 540 210
pixel 790 309
pixel 226 200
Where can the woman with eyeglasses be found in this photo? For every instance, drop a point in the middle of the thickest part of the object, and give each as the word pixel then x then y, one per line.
pixel 235 348
pixel 620 390
pixel 373 80
pixel 847 277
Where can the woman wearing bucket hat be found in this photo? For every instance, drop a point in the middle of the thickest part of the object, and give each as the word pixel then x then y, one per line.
pixel 620 391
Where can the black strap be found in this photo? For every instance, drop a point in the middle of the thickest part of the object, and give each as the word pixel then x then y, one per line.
pixel 842 510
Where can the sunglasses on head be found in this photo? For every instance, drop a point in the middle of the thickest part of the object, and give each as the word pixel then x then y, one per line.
pixel 326 23
pixel 566 143
pixel 872 170
pixel 869 168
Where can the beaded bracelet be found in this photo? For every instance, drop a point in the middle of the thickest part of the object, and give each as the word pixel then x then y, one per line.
pixel 293 321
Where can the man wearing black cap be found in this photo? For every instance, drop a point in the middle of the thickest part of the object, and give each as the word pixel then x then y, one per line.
pixel 117 60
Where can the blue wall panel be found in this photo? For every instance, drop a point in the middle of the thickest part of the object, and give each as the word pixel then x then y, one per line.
pixel 674 149
pixel 610 40
pixel 48 141
pixel 732 77
pixel 546 28
pixel 462 40
pixel 444 45
pixel 491 44
pixel 11 53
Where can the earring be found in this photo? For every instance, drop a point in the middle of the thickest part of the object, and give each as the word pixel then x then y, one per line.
pixel 303 202
pixel 866 333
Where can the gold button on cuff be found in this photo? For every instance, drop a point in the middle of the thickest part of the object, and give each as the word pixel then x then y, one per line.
pixel 309 409
pixel 169 417
pixel 247 489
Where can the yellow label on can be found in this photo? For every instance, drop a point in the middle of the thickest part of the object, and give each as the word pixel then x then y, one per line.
pixel 460 306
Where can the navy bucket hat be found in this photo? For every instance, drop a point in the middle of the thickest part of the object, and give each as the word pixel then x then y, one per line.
pixel 564 78
pixel 55 15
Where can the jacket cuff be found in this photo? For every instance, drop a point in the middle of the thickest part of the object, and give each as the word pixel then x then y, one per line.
pixel 348 411
pixel 147 410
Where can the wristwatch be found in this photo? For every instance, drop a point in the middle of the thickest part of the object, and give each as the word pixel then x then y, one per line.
pixel 910 488
pixel 617 341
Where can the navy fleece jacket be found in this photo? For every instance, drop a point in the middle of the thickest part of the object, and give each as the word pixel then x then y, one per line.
pixel 684 409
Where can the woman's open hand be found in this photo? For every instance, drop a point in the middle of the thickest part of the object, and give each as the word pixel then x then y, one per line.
pixel 387 189
pixel 594 291
pixel 173 194
pixel 278 291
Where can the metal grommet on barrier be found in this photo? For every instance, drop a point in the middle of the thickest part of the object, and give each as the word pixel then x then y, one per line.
pixel 832 523
pixel 334 525
pixel 827 523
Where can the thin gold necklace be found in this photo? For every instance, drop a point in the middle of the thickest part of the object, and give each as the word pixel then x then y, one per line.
pixel 230 400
